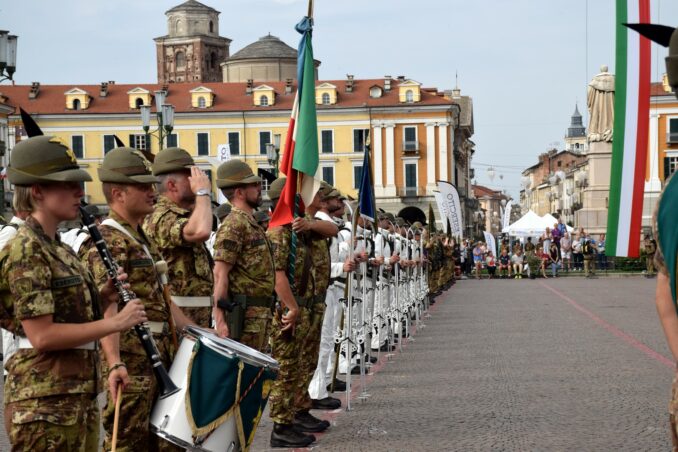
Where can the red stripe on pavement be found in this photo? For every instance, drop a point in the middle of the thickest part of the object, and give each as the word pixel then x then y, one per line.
pixel 632 341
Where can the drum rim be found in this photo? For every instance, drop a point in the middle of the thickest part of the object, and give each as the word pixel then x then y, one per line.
pixel 257 358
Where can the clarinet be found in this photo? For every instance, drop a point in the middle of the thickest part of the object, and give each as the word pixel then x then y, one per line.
pixel 165 383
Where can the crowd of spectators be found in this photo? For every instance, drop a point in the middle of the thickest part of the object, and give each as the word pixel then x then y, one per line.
pixel 555 251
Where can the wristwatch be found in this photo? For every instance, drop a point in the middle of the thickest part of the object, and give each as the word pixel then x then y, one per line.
pixel 202 192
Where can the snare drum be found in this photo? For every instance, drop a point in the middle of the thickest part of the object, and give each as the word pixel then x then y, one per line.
pixel 224 389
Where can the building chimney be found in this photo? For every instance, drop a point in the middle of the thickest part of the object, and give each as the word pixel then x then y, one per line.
pixel 288 85
pixel 250 85
pixel 103 91
pixel 35 89
pixel 349 83
pixel 401 78
pixel 387 83
pixel 111 82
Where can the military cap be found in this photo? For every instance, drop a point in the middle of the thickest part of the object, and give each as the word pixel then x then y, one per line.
pixel 41 159
pixel 417 225
pixel 170 160
pixel 234 173
pixel 276 187
pixel 327 191
pixel 390 217
pixel 222 211
pixel 399 221
pixel 261 216
pixel 126 166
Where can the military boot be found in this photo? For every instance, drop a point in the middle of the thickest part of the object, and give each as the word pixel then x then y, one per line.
pixel 284 435
pixel 306 422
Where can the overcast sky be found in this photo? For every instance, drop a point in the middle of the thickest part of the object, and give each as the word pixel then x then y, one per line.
pixel 525 62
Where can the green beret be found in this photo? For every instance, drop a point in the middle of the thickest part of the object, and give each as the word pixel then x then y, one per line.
pixel 171 160
pixel 126 166
pixel 276 187
pixel 44 159
pixel 234 173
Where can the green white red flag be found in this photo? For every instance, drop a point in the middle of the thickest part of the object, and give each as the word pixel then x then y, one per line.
pixel 631 124
pixel 300 156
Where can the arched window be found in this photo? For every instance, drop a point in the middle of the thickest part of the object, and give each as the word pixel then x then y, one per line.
pixel 213 60
pixel 76 104
pixel 180 59
pixel 201 102
pixel 409 96
pixel 211 27
pixel 326 98
pixel 139 102
pixel 263 101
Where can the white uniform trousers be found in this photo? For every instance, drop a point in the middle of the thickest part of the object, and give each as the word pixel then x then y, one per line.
pixel 323 372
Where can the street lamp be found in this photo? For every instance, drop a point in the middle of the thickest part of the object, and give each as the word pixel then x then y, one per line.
pixel 273 153
pixel 8 44
pixel 164 116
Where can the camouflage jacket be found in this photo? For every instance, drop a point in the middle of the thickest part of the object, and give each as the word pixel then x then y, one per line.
pixel 190 272
pixel 281 239
pixel 320 255
pixel 241 242
pixel 130 255
pixel 40 276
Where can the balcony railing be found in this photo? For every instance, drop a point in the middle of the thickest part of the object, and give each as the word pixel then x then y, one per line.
pixel 411 191
pixel 410 146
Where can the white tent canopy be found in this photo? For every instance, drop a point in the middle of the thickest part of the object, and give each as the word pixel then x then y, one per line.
pixel 530 224
pixel 551 220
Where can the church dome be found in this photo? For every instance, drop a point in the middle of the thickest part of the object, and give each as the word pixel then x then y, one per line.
pixel 267 47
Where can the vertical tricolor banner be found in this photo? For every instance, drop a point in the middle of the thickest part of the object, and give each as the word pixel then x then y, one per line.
pixel 300 157
pixel 631 123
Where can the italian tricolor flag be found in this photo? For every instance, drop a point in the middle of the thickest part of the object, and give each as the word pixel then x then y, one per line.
pixel 631 123
pixel 300 158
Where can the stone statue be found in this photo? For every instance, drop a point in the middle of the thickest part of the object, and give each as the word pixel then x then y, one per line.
pixel 600 101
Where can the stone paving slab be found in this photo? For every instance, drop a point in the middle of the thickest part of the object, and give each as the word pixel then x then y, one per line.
pixel 505 365
pixel 510 365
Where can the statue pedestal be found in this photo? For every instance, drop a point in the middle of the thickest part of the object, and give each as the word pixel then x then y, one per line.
pixel 593 215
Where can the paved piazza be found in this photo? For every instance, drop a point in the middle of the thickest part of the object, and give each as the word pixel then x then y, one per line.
pixel 565 364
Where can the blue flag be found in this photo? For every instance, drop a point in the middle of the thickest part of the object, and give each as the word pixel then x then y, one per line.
pixel 366 195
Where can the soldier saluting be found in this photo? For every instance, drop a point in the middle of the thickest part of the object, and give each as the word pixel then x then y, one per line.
pixel 51 303
pixel 179 226
pixel 244 278
pixel 129 188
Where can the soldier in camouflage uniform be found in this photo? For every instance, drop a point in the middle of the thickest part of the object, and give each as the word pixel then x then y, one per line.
pixel 290 330
pixel 666 307
pixel 50 302
pixel 179 226
pixel 243 270
pixel 128 186
pixel 320 254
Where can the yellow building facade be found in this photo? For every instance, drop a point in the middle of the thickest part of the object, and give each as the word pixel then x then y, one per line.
pixel 413 135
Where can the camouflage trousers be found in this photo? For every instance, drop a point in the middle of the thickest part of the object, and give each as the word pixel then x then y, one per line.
pixel 257 328
pixel 201 316
pixel 310 350
pixel 137 402
pixel 56 423
pixel 286 349
pixel 673 413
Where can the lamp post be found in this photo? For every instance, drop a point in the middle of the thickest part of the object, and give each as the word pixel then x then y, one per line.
pixel 8 45
pixel 164 117
pixel 273 153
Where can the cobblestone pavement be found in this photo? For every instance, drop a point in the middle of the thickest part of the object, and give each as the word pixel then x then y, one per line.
pixel 557 364
pixel 564 364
